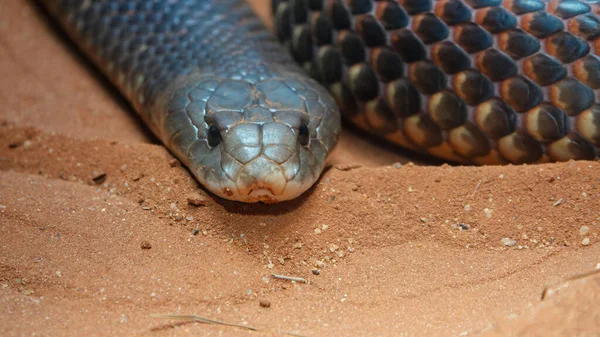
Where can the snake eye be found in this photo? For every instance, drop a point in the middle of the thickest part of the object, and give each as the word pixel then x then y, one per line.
pixel 303 134
pixel 214 136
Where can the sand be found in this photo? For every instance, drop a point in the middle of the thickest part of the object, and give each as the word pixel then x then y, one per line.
pixel 101 228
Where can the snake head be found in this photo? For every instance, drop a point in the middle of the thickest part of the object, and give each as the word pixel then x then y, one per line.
pixel 253 141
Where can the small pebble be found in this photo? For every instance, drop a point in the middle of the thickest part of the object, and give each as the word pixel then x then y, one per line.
pixel 195 199
pixel 195 231
pixel 98 177
pixel 508 242
pixel 265 304
pixel 316 272
pixel 488 212
pixel 347 167
pixel 173 162
pixel 464 226
pixel 145 245
pixel 397 165
pixel 585 241
pixel 584 230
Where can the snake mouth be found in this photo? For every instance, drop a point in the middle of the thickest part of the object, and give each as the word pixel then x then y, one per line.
pixel 263 194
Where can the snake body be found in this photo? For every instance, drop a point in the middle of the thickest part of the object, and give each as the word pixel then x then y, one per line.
pixel 254 119
pixel 473 81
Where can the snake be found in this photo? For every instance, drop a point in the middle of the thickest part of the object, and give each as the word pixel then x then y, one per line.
pixel 254 112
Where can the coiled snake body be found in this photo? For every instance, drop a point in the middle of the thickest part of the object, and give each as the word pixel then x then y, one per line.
pixel 473 81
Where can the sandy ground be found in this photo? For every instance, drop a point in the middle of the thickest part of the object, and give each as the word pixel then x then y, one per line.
pixel 386 249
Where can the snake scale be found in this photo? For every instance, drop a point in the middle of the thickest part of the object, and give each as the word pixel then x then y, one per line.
pixel 254 115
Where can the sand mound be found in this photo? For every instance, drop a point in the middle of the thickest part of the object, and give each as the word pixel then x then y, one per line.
pixel 101 228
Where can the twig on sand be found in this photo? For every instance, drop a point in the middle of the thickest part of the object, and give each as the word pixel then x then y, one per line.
pixel 201 319
pixel 551 290
pixel 476 188
pixel 289 278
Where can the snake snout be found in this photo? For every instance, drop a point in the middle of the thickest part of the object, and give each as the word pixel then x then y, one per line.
pixel 261 177
pixel 261 161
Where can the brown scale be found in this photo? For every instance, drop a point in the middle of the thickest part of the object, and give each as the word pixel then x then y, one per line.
pixel 572 146
pixel 452 12
pixel 447 110
pixel 423 131
pixel 566 47
pixel 392 16
pixel 379 116
pixel 518 44
pixel 473 87
pixel 387 64
pixel 495 19
pixel 546 123
pixel 519 147
pixel 571 95
pixel 585 26
pixel 403 98
pixel 472 37
pixel 351 47
pixel 329 64
pixel 426 77
pixel 543 69
pixel 469 141
pixel 495 118
pixel 521 93
pixel 588 124
pixel 587 70
pixel 568 9
pixel 371 30
pixel 475 81
pixel 407 45
pixel 363 82
pixel 496 65
pixel 450 57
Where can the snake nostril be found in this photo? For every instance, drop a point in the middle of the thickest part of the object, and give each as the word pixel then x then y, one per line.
pixel 303 134
pixel 213 136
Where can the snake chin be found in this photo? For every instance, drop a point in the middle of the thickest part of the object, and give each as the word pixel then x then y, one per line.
pixel 264 195
pixel 259 193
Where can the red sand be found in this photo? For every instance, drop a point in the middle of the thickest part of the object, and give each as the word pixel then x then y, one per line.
pixel 411 250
